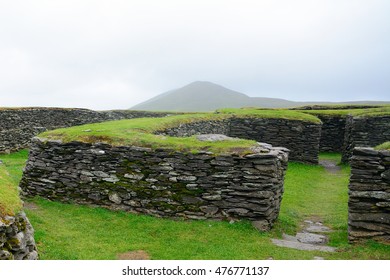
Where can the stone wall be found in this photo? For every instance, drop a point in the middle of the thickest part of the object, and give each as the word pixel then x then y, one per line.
pixel 301 138
pixel 332 133
pixel 365 132
pixel 18 126
pixel 17 238
pixel 369 195
pixel 159 182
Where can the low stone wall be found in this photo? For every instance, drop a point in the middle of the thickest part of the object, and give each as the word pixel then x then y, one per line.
pixel 369 195
pixel 17 238
pixel 332 133
pixel 365 132
pixel 159 182
pixel 18 126
pixel 301 138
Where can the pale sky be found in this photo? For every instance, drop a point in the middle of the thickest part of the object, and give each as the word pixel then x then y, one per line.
pixel 114 54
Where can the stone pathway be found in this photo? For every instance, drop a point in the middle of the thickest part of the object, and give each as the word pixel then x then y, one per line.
pixel 312 237
pixel 330 165
pixel 309 239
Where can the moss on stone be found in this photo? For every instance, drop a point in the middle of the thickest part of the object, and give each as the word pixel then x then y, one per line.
pixel 383 146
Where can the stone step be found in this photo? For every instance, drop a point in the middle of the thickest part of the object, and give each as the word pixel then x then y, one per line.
pixel 302 246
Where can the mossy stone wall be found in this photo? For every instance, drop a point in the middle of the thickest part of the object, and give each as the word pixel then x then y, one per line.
pixel 159 182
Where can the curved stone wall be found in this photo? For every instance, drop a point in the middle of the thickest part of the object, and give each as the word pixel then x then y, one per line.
pixel 18 126
pixel 301 138
pixel 17 238
pixel 365 132
pixel 332 132
pixel 159 182
pixel 369 195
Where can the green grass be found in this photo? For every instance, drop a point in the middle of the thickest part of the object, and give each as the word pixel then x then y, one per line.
pixel 65 231
pixel 270 113
pixel 381 111
pixel 139 132
pixel 10 174
pixel 384 146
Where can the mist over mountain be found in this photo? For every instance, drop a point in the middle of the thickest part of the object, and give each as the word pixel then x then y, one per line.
pixel 203 96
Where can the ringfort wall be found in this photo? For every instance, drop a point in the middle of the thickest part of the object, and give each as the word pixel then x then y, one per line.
pixel 159 182
pixel 365 132
pixel 369 195
pixel 17 238
pixel 301 138
pixel 18 126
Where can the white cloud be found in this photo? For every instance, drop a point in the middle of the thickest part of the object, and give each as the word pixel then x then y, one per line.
pixel 114 54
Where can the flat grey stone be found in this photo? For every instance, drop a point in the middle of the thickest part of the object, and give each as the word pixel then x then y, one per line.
pixel 302 246
pixel 214 137
pixel 317 228
pixel 311 238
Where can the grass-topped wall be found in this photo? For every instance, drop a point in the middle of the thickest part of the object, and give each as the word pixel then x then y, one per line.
pixel 246 183
pixel 294 130
pixel 19 125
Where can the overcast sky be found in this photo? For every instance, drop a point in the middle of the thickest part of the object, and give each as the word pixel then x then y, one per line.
pixel 117 53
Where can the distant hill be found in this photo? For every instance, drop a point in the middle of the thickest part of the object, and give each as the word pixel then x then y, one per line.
pixel 207 96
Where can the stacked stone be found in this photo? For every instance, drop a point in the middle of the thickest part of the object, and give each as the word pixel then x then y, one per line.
pixel 301 138
pixel 332 132
pixel 369 195
pixel 17 238
pixel 159 182
pixel 18 126
pixel 365 132
pixel 200 127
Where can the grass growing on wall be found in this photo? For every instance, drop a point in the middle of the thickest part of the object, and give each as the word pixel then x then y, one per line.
pixel 270 113
pixel 368 112
pixel 384 146
pixel 65 231
pixel 139 132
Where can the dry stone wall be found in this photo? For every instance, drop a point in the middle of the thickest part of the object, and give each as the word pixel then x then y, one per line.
pixel 17 238
pixel 332 133
pixel 18 126
pixel 159 182
pixel 365 132
pixel 369 195
pixel 301 138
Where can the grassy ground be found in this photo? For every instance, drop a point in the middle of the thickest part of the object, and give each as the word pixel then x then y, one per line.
pixel 65 231
pixel 10 173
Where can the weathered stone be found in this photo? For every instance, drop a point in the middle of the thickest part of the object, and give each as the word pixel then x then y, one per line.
pixel 369 196
pixel 214 137
pixel 114 197
pixel 134 176
pixel 311 238
pixel 17 238
pixel 211 210
pixel 261 225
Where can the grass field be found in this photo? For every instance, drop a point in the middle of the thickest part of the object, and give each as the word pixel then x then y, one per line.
pixel 65 231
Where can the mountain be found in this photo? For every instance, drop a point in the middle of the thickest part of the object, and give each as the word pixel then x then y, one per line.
pixel 207 96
